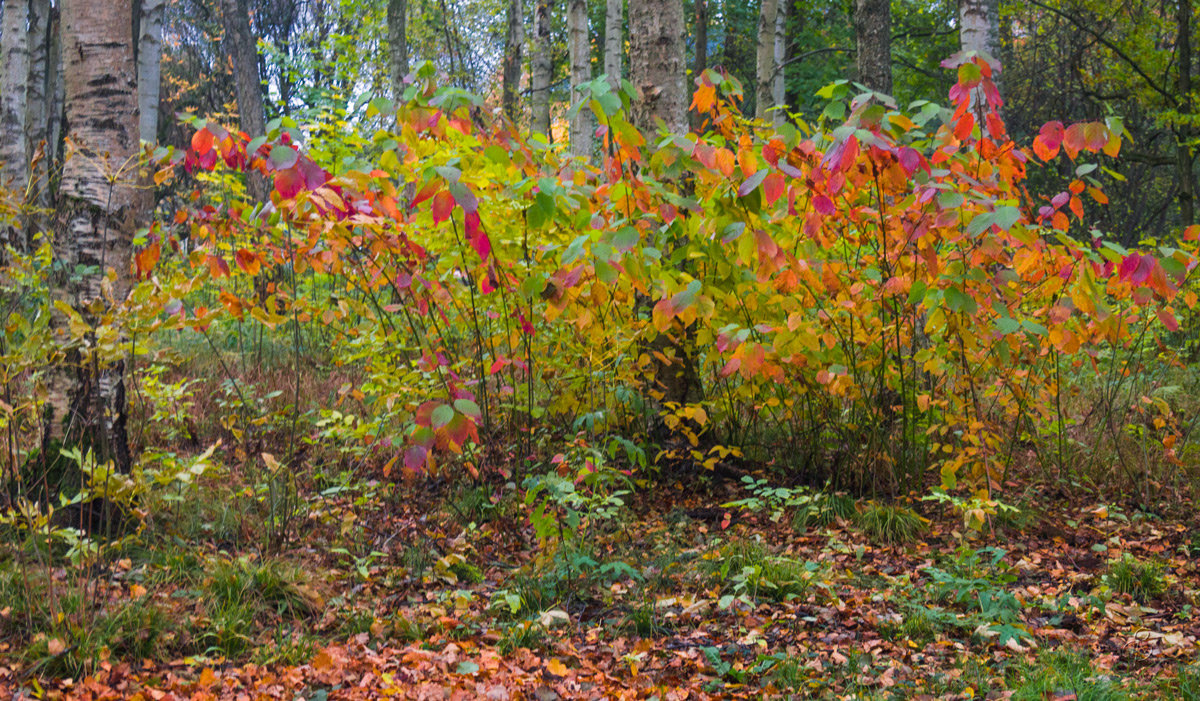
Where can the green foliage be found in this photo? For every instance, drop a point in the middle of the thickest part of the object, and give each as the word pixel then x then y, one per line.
pixel 890 523
pixel 1140 579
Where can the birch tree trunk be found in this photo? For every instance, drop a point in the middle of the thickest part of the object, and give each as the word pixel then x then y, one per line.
pixel 614 40
pixel 397 26
pixel 778 84
pixel 764 77
pixel 99 206
pixel 979 31
pixel 656 65
pixel 700 53
pixel 539 69
pixel 580 50
pixel 14 76
pixel 39 112
pixel 873 38
pixel 514 41
pixel 243 51
pixel 150 67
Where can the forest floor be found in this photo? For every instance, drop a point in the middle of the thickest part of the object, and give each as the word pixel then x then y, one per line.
pixel 428 594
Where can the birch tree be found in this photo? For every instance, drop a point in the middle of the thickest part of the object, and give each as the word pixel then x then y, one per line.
pixel 149 67
pixel 764 77
pixel 97 213
pixel 539 68
pixel 580 50
pixel 614 40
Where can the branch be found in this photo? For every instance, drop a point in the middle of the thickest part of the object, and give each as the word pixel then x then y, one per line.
pixel 1079 24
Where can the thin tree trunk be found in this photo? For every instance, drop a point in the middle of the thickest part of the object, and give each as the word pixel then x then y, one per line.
pixel 778 84
pixel 397 25
pixel 514 41
pixel 247 84
pixel 656 64
pixel 100 204
pixel 873 39
pixel 539 69
pixel 764 77
pixel 14 76
pixel 39 103
pixel 700 54
pixel 614 40
pixel 580 50
pixel 1184 134
pixel 979 31
pixel 150 67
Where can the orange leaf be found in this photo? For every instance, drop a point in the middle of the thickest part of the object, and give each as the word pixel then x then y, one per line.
pixel 248 261
pixel 146 258
pixel 202 142
pixel 773 187
pixel 443 205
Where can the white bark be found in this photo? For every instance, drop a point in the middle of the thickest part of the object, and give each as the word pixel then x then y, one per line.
pixel 778 86
pixel 150 67
pixel 14 77
pixel 580 50
pixel 768 10
pixel 539 69
pixel 614 40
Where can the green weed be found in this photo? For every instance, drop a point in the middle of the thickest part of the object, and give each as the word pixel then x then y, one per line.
pixel 890 524
pixel 1141 580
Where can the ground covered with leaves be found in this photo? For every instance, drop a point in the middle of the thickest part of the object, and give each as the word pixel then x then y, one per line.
pixel 447 592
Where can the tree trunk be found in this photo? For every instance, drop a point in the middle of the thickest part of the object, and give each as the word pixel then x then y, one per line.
pixel 100 204
pixel 765 74
pixel 656 69
pixel 14 76
pixel 1184 134
pixel 614 40
pixel 150 67
pixel 873 39
pixel 39 112
pixel 700 52
pixel 778 84
pixel 514 41
pixel 979 26
pixel 656 65
pixel 580 49
pixel 539 69
pixel 397 26
pixel 247 84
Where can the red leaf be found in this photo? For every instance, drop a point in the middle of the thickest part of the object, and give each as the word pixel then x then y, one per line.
pixel 1168 319
pixel 289 183
pixel 962 128
pixel 773 188
pixel 1074 140
pixel 202 142
pixel 443 205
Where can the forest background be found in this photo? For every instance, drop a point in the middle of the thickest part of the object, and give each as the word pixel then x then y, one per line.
pixel 778 348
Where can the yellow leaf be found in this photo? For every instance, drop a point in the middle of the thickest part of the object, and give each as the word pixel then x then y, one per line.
pixel 136 591
pixel 207 677
pixel 557 668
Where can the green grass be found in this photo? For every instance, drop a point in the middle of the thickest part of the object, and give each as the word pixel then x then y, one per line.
pixel 1059 674
pixel 1141 580
pixel 890 524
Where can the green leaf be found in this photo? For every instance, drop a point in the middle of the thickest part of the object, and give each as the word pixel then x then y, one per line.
pixel 441 416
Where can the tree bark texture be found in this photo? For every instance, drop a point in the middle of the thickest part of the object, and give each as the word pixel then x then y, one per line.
pixel 514 42
pixel 150 67
pixel 14 76
pixel 100 203
pixel 614 40
pixel 1185 134
pixel 243 52
pixel 765 65
pixel 397 27
pixel 656 64
pixel 873 39
pixel 539 69
pixel 778 84
pixel 579 48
